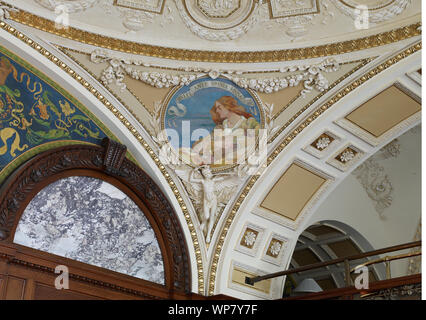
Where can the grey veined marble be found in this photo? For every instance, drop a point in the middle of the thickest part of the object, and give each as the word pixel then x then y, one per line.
pixel 91 221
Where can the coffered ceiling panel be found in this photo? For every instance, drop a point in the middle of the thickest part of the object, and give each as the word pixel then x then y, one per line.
pixel 385 111
pixel 292 191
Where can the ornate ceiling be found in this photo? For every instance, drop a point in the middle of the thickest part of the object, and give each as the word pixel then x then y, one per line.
pixel 330 83
pixel 204 30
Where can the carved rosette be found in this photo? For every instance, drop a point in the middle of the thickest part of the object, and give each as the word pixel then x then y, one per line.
pixel 218 20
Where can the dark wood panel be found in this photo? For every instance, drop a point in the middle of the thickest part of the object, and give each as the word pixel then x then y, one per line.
pixel 14 288
pixel 44 292
pixel 2 285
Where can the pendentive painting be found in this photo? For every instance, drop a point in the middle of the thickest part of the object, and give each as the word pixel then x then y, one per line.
pixel 212 122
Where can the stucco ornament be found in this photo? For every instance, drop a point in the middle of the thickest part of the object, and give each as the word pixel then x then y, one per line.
pixel 218 20
pixel 378 10
pixel 209 191
pixel 323 143
pixel 275 248
pixel 250 238
pixel 5 11
pixel 312 76
pixel 374 179
pixel 69 6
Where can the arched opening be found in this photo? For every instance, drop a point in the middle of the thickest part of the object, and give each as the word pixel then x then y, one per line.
pixel 322 242
pixel 332 260
pixel 90 209
pixel 89 220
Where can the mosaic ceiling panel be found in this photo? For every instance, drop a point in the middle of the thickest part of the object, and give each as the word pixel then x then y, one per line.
pixel 35 112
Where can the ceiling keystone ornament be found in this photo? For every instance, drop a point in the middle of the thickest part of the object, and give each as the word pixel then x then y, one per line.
pixel 378 10
pixel 218 20
pixel 69 6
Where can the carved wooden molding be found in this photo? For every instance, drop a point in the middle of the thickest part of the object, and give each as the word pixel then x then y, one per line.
pixel 108 163
pixel 115 154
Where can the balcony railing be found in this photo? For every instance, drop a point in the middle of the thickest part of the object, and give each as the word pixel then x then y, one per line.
pixel 401 286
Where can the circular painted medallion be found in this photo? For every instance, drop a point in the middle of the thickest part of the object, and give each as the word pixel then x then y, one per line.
pixel 212 122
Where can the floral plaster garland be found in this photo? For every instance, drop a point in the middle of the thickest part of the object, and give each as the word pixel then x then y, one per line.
pixel 311 76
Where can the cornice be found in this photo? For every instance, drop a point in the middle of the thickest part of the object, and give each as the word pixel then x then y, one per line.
pixel 330 49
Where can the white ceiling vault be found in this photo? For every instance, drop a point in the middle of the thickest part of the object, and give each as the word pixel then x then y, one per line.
pixel 330 96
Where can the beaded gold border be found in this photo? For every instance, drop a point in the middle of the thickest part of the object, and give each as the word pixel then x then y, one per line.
pixel 131 128
pixel 319 111
pixel 330 49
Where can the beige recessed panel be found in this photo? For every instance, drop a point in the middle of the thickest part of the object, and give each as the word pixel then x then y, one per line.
pixel 239 277
pixel 292 192
pixel 281 98
pixel 384 111
pixel 145 93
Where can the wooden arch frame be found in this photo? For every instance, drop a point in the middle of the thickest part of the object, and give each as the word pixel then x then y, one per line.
pixel 108 163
